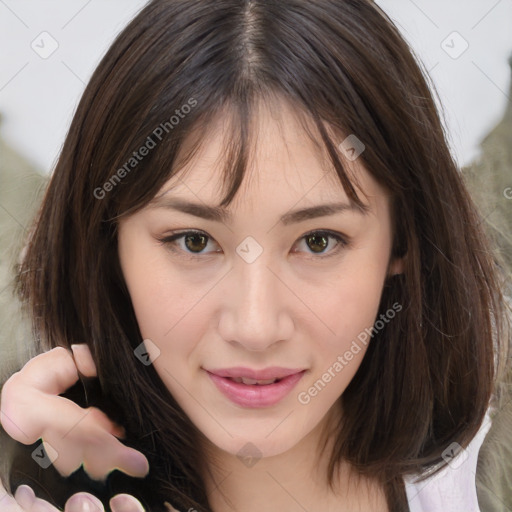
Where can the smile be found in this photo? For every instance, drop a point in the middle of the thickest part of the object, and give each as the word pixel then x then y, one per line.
pixel 254 393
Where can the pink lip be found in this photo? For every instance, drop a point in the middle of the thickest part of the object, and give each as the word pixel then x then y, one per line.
pixel 256 396
pixel 273 372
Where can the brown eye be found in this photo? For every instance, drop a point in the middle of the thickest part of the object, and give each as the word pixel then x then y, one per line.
pixel 317 243
pixel 196 242
pixel 191 243
pixel 323 243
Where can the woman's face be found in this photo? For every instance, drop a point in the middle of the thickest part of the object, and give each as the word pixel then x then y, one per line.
pixel 253 291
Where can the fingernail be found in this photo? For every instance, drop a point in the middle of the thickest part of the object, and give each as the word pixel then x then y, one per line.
pixel 81 503
pixel 125 503
pixel 83 359
pixel 25 496
pixel 77 349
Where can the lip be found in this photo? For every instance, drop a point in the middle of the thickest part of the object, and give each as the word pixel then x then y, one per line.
pixel 256 396
pixel 273 372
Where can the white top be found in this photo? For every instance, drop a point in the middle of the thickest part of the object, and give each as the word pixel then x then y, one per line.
pixel 454 488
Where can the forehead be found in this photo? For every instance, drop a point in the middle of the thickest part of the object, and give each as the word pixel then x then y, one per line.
pixel 286 161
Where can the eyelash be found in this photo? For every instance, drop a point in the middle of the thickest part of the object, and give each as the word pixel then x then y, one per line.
pixel 170 241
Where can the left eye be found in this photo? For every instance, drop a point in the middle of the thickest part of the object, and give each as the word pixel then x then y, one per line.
pixel 318 242
pixel 194 242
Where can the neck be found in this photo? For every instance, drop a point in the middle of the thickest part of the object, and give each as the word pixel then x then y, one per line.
pixel 293 480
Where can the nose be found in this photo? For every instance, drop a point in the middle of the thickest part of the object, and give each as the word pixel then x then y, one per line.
pixel 257 307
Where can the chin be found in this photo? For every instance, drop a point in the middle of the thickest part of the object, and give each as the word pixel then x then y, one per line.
pixel 254 444
pixel 249 449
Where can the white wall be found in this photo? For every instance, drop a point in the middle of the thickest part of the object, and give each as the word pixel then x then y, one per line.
pixel 38 96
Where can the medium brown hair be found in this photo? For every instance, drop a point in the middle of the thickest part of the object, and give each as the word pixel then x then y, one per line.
pixel 427 378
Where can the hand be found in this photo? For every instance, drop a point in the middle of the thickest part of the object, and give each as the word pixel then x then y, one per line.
pixel 31 410
pixel 26 501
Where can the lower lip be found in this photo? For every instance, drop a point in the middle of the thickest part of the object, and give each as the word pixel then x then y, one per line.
pixel 255 396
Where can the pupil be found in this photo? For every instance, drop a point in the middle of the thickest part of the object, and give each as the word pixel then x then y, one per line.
pixel 195 238
pixel 319 241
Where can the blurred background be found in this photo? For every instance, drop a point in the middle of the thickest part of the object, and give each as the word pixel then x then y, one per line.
pixel 51 47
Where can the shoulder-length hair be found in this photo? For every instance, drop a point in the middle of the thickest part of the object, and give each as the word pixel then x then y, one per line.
pixel 428 377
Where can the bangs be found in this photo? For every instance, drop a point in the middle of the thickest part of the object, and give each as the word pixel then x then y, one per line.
pixel 240 139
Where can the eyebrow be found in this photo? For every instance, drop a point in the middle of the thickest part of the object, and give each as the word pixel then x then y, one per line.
pixel 218 214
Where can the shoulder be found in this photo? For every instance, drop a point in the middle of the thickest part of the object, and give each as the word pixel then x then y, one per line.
pixel 494 471
pixel 454 487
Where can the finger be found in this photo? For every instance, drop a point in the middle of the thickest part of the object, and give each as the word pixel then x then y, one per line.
pixel 80 438
pixel 23 410
pixel 169 507
pixel 83 502
pixel 101 458
pixel 28 502
pixel 24 496
pixel 132 462
pixel 51 372
pixel 125 503
pixel 83 359
pixel 116 430
pixel 9 504
pixel 104 422
pixel 41 505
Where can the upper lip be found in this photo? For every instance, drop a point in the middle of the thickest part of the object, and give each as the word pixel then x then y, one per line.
pixel 273 372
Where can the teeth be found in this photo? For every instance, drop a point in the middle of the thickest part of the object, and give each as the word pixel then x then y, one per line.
pixel 251 382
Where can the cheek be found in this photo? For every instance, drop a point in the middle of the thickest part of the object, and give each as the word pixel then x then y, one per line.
pixel 165 304
pixel 358 302
pixel 348 308
pixel 350 316
pixel 350 302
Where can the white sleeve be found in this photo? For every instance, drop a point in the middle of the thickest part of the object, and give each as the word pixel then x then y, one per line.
pixel 454 488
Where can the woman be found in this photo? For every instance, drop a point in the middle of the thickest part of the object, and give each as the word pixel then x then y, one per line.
pixel 257 229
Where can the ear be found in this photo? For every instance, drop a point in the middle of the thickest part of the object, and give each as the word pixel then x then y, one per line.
pixel 396 266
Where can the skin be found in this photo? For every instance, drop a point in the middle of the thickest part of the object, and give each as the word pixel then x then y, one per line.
pixel 291 307
pixel 30 402
pixel 29 406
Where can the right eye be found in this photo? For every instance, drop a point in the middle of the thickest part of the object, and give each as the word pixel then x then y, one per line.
pixel 190 243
